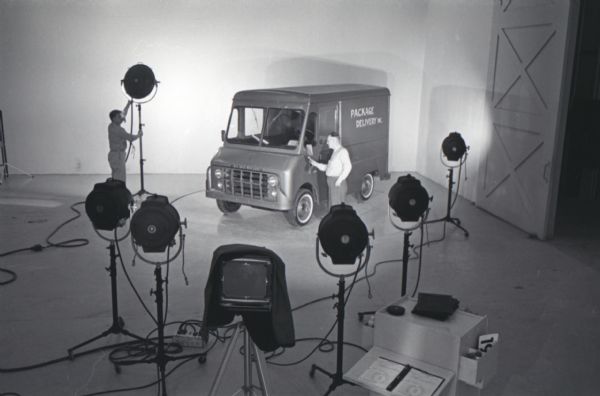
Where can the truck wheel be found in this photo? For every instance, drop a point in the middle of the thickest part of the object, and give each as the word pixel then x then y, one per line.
pixel 303 208
pixel 228 207
pixel 367 186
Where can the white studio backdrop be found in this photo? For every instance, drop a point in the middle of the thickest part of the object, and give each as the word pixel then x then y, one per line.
pixel 61 63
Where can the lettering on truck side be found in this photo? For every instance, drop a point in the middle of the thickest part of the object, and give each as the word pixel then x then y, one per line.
pixel 365 112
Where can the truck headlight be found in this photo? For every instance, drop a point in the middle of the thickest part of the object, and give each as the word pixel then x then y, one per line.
pixel 273 181
pixel 218 173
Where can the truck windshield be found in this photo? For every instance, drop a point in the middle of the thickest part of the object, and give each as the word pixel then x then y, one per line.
pixel 269 127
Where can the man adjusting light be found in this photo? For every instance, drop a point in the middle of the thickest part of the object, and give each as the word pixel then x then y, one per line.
pixel 117 141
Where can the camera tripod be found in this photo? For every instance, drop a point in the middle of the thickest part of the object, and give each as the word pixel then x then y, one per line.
pixel 251 355
pixel 118 324
pixel 448 217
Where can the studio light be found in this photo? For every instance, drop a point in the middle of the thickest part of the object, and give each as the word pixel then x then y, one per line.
pixel 342 234
pixel 344 238
pixel 140 86
pixel 453 154
pixel 410 202
pixel 408 198
pixel 108 204
pixel 454 146
pixel 155 224
pixel 139 82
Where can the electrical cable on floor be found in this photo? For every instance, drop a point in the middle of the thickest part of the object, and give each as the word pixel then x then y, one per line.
pixel 186 195
pixel 120 390
pixel 69 243
pixel 12 277
pixel 63 359
pixel 324 339
pixel 185 360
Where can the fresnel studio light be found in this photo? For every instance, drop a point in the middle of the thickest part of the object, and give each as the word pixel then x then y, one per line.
pixel 453 154
pixel 345 239
pixel 409 202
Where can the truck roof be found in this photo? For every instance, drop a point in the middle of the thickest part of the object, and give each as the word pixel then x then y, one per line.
pixel 311 93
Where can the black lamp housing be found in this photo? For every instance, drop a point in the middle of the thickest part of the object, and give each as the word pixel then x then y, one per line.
pixel 139 81
pixel 342 234
pixel 107 204
pixel 155 224
pixel 454 146
pixel 408 198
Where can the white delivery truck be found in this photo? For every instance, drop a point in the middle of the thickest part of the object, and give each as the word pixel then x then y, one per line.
pixel 271 132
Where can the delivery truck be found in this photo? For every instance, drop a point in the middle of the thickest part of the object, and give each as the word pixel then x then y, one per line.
pixel 263 162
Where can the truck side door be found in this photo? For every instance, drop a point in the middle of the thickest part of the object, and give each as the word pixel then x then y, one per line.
pixel 328 121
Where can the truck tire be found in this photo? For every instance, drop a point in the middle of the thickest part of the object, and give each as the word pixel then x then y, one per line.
pixel 302 211
pixel 367 186
pixel 228 207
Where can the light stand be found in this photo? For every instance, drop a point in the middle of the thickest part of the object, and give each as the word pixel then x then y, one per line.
pixel 107 207
pixel 118 324
pixel 140 84
pixel 448 217
pixel 154 227
pixel 341 234
pixel 161 357
pixel 408 201
pixel 142 190
pixel 251 355
pixel 405 248
pixel 337 378
pixel 453 149
pixel 4 164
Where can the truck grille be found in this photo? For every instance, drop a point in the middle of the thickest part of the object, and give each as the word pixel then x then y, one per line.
pixel 245 183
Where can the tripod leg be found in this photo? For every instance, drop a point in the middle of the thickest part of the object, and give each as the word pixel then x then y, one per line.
pixel 217 381
pixel 103 334
pixel 247 364
pixel 261 365
pixel 456 222
pixel 314 368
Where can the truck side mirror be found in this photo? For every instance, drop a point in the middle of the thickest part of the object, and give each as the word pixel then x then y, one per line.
pixel 222 135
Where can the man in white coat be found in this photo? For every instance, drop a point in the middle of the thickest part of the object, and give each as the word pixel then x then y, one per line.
pixel 117 141
pixel 337 169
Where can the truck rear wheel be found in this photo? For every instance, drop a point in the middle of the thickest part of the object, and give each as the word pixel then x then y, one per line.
pixel 303 208
pixel 228 207
pixel 367 186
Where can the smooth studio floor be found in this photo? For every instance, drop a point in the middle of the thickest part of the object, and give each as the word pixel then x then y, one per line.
pixel 542 297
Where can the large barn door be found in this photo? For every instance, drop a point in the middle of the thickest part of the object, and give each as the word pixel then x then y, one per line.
pixel 527 87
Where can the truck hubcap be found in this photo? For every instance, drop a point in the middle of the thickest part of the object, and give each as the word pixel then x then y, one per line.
pixel 366 188
pixel 304 208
